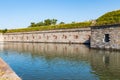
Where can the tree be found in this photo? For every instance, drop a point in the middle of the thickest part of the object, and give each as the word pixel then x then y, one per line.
pixel 33 24
pixel 4 31
pixel 47 22
pixel 73 22
pixel 62 23
pixel 53 21
pixel 40 23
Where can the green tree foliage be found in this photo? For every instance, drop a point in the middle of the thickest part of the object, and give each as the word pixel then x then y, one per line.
pixel 46 22
pixel 33 24
pixel 1 31
pixel 73 22
pixel 53 21
pixel 40 23
pixel 4 31
pixel 109 18
pixel 62 23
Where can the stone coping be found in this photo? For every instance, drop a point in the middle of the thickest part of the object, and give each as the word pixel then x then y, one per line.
pixel 6 73
pixel 105 26
pixel 51 31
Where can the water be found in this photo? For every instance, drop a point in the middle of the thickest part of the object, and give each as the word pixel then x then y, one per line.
pixel 39 61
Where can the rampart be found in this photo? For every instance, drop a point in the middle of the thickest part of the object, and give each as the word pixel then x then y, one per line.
pixel 79 35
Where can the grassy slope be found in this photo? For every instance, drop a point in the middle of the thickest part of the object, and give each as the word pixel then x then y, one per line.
pixel 109 18
pixel 62 26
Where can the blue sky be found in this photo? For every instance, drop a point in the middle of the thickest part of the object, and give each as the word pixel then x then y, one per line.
pixel 20 13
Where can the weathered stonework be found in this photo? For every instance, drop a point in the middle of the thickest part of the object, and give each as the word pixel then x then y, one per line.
pixel 105 37
pixel 6 73
pixel 81 35
pixel 1 37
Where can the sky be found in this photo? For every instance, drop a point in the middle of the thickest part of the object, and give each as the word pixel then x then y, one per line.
pixel 20 13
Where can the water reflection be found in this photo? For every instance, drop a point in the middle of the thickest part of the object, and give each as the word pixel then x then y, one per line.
pixel 61 61
pixel 51 51
pixel 106 64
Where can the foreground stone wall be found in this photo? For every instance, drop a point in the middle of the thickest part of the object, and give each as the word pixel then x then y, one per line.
pixel 6 73
pixel 81 35
pixel 106 37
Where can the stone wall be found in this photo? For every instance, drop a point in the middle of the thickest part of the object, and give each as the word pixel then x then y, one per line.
pixel 81 35
pixel 1 37
pixel 105 37
pixel 6 73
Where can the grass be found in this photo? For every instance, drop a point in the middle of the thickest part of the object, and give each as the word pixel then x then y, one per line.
pixel 107 19
pixel 54 27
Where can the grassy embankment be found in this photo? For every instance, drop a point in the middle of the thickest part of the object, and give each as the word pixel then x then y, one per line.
pixel 60 26
pixel 108 18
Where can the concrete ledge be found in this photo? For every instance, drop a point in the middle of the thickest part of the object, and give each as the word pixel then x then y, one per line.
pixel 6 73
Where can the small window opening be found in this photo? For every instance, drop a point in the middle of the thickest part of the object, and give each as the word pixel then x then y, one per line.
pixel 107 38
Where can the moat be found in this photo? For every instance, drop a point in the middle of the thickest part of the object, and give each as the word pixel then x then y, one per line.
pixel 40 61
